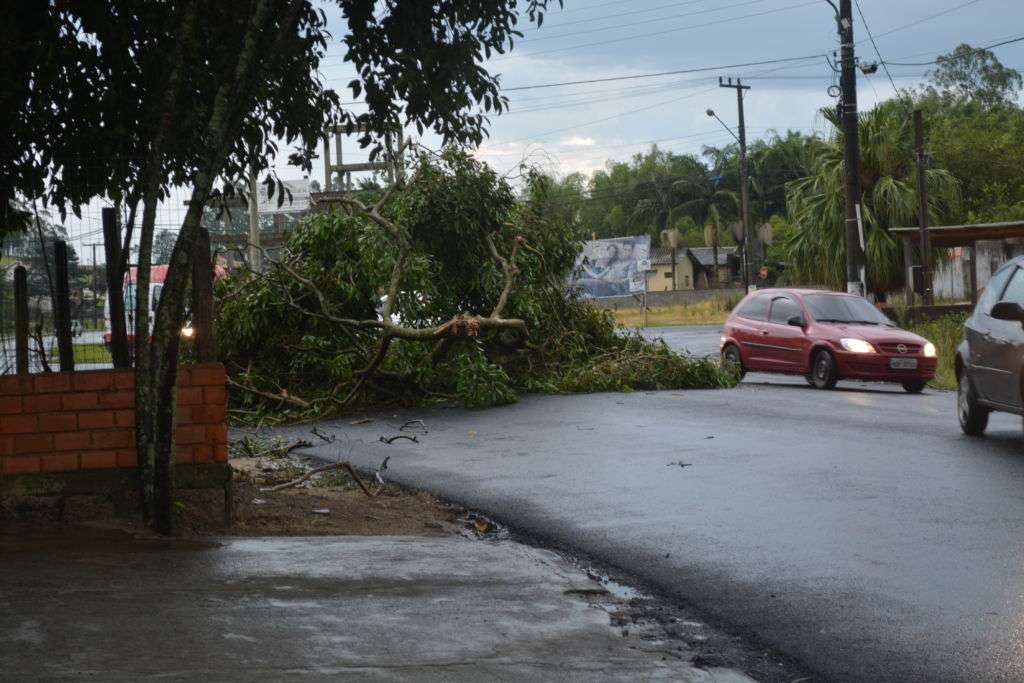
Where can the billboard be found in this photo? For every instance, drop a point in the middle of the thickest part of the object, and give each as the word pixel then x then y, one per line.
pixel 612 267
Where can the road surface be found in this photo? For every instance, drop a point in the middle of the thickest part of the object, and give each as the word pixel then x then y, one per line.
pixel 855 530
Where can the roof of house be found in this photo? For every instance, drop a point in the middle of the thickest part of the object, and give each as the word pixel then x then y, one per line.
pixel 661 256
pixel 705 255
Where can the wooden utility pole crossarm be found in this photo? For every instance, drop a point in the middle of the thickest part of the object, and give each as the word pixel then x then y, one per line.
pixel 744 183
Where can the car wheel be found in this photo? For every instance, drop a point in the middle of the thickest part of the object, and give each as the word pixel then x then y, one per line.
pixel 914 387
pixel 973 416
pixel 731 354
pixel 824 374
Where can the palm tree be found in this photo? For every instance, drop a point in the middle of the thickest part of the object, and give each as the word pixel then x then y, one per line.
pixel 889 199
pixel 710 207
pixel 672 239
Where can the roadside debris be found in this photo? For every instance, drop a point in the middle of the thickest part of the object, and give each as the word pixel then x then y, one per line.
pixel 320 511
pixel 328 438
pixel 318 470
pixel 679 463
pixel 253 447
pixel 391 439
pixel 361 421
pixel 259 501
pixel 417 425
pixel 479 526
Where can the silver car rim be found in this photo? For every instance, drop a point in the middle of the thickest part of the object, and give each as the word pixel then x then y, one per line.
pixel 964 399
pixel 821 369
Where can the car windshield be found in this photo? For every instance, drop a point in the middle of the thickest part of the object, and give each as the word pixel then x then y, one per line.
pixel 837 308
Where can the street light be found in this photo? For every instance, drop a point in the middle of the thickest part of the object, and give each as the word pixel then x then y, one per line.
pixel 744 188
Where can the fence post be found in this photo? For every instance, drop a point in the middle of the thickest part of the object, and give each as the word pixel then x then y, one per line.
pixel 21 319
pixel 202 299
pixel 62 315
pixel 115 291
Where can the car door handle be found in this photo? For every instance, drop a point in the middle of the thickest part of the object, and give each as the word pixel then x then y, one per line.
pixel 764 333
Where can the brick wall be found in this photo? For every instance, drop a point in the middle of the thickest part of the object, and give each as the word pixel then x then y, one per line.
pixel 60 422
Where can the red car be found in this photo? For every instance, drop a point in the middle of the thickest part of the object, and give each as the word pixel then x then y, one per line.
pixel 826 337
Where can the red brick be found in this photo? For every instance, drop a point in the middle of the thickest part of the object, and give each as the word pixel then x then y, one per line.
pixel 120 438
pixel 59 462
pixel 21 465
pixel 99 460
pixel 190 396
pixel 10 405
pixel 203 453
pixel 117 399
pixel 92 381
pixel 207 414
pixel 183 456
pixel 18 424
pixel 83 401
pixel 217 396
pixel 72 441
pixel 127 458
pixel 211 374
pixel 125 418
pixel 52 383
pixel 220 452
pixel 190 434
pixel 124 379
pixel 217 434
pixel 183 377
pixel 44 403
pixel 98 419
pixel 58 422
pixel 15 385
pixel 6 445
pixel 33 443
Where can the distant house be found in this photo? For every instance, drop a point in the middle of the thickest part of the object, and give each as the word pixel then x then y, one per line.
pixel 727 270
pixel 659 279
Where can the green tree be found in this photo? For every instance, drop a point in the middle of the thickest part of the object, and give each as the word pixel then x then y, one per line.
pixel 190 93
pixel 816 203
pixel 970 74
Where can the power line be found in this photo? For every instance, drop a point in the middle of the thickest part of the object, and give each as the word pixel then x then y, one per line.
pixel 667 73
pixel 672 30
pixel 976 49
pixel 620 14
pixel 930 17
pixel 873 43
pixel 557 36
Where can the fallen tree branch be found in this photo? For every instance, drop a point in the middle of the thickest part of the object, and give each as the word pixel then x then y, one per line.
pixel 391 439
pixel 320 470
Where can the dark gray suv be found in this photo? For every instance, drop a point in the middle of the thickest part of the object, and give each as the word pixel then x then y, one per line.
pixel 991 356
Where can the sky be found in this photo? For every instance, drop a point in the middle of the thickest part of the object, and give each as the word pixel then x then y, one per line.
pixel 579 128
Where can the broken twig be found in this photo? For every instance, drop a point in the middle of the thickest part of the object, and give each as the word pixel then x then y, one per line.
pixel 391 439
pixel 319 470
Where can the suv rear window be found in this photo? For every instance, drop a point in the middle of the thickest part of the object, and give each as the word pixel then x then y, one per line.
pixel 754 309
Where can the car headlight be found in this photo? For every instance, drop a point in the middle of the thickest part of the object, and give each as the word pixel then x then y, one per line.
pixel 857 345
pixel 929 350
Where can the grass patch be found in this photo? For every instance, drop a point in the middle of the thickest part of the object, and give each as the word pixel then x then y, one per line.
pixel 707 312
pixel 91 353
pixel 945 333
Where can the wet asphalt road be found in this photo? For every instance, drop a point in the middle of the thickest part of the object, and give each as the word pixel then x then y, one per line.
pixel 855 530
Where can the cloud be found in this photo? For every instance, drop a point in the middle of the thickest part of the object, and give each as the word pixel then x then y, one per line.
pixel 577 141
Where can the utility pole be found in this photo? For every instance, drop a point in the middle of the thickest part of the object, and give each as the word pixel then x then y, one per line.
pixel 854 233
pixel 744 182
pixel 922 209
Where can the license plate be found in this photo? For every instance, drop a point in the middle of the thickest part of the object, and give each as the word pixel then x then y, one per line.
pixel 903 363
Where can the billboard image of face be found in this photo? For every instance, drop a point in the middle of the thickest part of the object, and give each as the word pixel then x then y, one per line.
pixel 611 267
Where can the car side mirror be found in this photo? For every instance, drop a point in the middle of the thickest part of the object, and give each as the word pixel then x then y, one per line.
pixel 1008 310
pixel 797 321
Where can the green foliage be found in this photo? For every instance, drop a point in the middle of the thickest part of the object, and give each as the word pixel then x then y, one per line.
pixel 270 340
pixel 889 199
pixel 946 333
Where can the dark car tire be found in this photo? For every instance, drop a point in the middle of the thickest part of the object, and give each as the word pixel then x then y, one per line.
pixel 915 387
pixel 824 373
pixel 973 416
pixel 731 354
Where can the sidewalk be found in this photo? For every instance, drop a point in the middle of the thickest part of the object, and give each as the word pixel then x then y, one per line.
pixel 378 608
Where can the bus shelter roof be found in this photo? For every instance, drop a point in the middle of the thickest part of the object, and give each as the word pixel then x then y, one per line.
pixel 963 235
